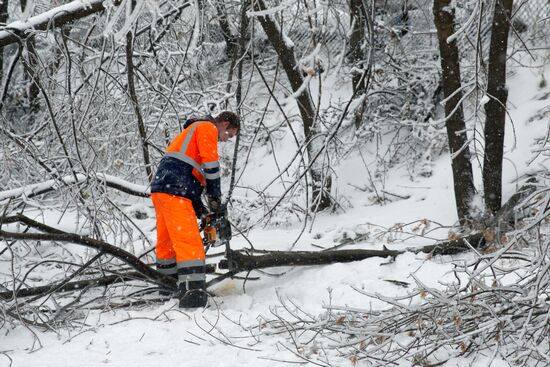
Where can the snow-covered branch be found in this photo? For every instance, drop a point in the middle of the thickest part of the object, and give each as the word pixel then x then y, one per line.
pixel 55 17
pixel 51 185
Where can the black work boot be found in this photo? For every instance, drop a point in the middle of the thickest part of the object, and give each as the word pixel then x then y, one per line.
pixel 164 291
pixel 195 296
pixel 182 289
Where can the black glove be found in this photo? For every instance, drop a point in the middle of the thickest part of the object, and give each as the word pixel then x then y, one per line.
pixel 216 207
pixel 200 209
pixel 224 229
pixel 214 204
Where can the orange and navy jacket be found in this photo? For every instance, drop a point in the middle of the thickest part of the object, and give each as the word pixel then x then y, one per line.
pixel 191 163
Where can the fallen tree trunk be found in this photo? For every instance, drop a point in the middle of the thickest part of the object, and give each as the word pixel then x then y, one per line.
pixel 246 262
pixel 240 261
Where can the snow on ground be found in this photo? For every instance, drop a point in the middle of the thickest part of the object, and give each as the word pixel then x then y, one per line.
pixel 228 332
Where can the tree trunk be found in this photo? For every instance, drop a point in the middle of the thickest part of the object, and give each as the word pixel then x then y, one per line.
pixel 31 73
pixel 456 128
pixel 32 60
pixel 238 58
pixel 3 20
pixel 495 109
pixel 230 39
pixel 357 40
pixel 84 283
pixel 269 259
pixel 135 104
pixel 321 184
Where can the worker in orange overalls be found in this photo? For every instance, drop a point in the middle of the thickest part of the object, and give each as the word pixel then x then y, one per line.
pixel 189 165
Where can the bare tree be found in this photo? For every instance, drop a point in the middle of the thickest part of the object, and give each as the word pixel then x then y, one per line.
pixel 32 71
pixel 135 103
pixel 357 39
pixel 3 19
pixel 321 183
pixel 456 127
pixel 495 108
pixel 223 19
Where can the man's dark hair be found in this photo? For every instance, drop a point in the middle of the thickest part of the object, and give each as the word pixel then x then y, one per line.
pixel 231 117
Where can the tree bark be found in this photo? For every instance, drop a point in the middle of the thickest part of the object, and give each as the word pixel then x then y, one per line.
pixel 52 185
pixel 456 128
pixel 32 74
pixel 284 48
pixel 495 109
pixel 239 51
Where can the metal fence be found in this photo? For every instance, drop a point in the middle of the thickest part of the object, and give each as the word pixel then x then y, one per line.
pixel 529 16
pixel 534 13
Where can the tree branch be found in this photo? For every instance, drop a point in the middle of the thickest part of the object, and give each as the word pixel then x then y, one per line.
pixel 54 234
pixel 246 262
pixel 53 18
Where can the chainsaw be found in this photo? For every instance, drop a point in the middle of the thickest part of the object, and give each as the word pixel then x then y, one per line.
pixel 217 232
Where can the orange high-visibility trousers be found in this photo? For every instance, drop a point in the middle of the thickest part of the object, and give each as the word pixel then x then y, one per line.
pixel 179 244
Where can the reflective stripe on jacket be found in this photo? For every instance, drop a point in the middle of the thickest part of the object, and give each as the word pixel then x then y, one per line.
pixel 191 162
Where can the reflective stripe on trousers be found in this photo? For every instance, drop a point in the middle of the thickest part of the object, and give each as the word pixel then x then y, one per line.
pixel 191 271
pixel 167 266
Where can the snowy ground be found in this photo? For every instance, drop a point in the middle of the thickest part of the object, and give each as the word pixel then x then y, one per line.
pixel 230 332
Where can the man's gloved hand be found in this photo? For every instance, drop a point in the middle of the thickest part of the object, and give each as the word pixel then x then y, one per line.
pixel 216 207
pixel 200 209
pixel 206 220
pixel 214 204
pixel 224 229
pixel 218 211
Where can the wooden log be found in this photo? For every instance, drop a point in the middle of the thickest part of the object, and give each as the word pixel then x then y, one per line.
pixel 246 262
pixel 452 247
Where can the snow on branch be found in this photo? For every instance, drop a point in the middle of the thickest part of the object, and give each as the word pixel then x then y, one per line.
pixel 51 185
pixel 55 17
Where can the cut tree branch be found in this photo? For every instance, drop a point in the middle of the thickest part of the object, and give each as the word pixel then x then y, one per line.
pixel 54 234
pixel 246 262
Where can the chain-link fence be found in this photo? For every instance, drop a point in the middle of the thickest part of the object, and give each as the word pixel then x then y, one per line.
pixel 530 19
pixel 410 21
pixel 533 13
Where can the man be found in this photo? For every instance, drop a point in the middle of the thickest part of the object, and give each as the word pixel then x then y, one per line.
pixel 190 164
